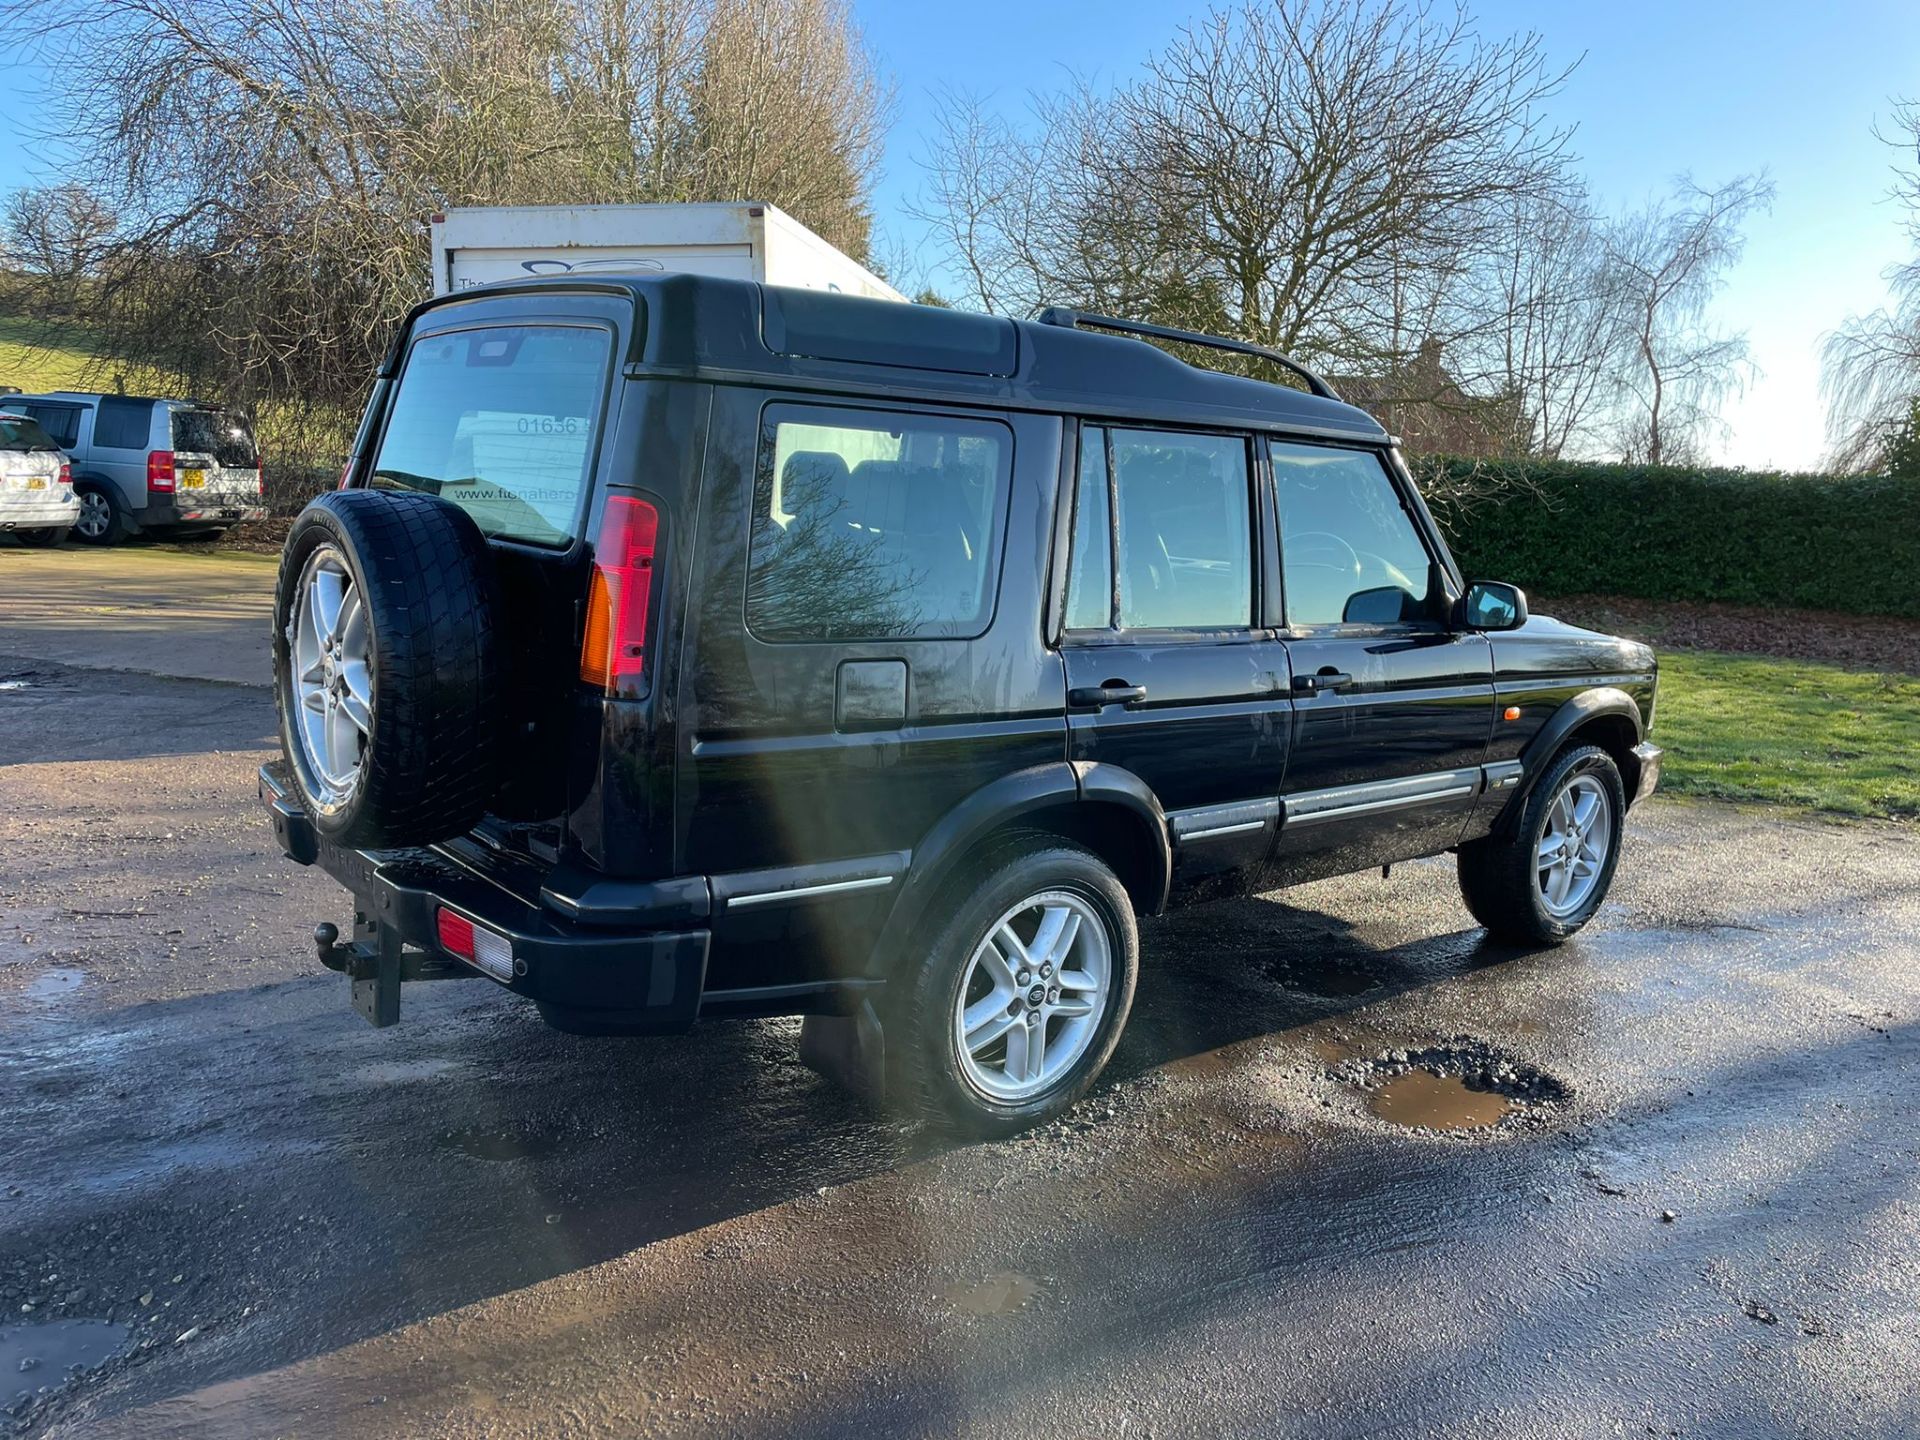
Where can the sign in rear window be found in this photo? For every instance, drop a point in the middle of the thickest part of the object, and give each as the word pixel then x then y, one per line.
pixel 501 421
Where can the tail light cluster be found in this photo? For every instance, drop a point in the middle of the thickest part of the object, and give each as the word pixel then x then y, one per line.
pixel 66 474
pixel 613 654
pixel 160 472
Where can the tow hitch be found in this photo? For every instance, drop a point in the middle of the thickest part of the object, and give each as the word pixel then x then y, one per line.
pixel 377 962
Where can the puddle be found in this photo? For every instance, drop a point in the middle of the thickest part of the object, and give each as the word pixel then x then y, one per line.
pixel 1004 1293
pixel 52 984
pixel 35 1355
pixel 1328 980
pixel 1438 1102
pixel 492 1145
pixel 1465 1084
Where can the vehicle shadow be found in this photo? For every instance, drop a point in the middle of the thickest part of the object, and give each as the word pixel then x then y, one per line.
pixel 470 1151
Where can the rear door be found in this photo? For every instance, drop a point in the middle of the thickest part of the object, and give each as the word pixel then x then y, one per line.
pixel 1172 673
pixel 1393 710
pixel 865 652
pixel 29 468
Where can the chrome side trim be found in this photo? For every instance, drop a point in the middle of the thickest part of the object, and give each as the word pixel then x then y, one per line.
pixel 1342 802
pixel 1208 822
pixel 806 892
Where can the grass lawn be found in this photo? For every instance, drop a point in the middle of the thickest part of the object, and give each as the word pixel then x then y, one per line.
pixel 33 367
pixel 1789 732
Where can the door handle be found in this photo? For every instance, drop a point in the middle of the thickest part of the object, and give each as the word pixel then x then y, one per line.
pixel 1114 692
pixel 1325 680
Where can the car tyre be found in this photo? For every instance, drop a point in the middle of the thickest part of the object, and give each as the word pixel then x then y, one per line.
pixel 387 712
pixel 103 515
pixel 1033 888
pixel 42 537
pixel 1543 881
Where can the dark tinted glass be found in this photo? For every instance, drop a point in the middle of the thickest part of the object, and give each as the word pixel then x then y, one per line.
pixel 1351 553
pixel 122 424
pixel 62 422
pixel 17 432
pixel 501 421
pixel 1185 534
pixel 1090 580
pixel 869 525
pixel 210 432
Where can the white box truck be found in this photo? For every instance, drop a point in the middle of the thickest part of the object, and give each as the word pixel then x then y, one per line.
pixel 746 241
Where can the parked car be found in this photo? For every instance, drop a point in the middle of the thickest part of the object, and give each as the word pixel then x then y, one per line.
pixel 684 648
pixel 171 466
pixel 37 504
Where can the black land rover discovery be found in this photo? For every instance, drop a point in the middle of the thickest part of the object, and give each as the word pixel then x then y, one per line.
pixel 679 648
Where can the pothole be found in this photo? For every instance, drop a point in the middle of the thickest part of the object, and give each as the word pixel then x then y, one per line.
pixel 1465 1084
pixel 497 1146
pixel 1328 980
pixel 33 1357
pixel 1003 1293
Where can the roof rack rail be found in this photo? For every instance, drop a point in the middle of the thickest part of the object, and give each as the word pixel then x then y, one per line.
pixel 1079 320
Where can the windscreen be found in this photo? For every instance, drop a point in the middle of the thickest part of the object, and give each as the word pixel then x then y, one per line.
pixel 216 433
pixel 500 421
pixel 17 432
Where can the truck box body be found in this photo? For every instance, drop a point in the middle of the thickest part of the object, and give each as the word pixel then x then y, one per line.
pixel 747 241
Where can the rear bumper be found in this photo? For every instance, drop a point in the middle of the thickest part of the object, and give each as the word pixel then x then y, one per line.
pixel 212 510
pixel 53 507
pixel 582 978
pixel 1650 756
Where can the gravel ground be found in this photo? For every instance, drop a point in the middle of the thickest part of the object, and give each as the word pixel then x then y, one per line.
pixel 238 1211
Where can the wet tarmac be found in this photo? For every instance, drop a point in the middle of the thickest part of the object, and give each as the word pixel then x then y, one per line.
pixel 1696 1211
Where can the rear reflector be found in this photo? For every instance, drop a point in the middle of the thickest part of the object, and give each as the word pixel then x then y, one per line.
pixel 492 953
pixel 613 653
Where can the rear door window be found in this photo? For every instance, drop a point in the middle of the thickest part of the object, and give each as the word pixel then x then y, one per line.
pixel 211 432
pixel 501 421
pixel 62 422
pixel 876 525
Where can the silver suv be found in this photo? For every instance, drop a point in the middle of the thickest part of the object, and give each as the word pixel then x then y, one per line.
pixel 149 464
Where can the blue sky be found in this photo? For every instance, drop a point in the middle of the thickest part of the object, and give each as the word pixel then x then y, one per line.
pixel 1715 88
pixel 1718 89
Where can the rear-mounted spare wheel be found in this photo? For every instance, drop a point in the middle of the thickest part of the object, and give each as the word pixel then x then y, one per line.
pixel 384 662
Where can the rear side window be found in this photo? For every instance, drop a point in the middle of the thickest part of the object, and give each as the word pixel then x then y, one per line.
pixel 502 422
pixel 210 432
pixel 17 432
pixel 123 424
pixel 62 422
pixel 870 525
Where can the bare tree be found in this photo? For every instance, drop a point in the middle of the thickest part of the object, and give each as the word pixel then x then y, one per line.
pixel 1311 174
pixel 58 234
pixel 1673 260
pixel 1871 375
pixel 275 162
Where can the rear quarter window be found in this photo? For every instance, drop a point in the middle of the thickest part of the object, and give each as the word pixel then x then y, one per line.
pixel 876 525
pixel 501 421
pixel 123 424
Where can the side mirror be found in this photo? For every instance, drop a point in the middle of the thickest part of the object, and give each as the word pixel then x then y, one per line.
pixel 1490 605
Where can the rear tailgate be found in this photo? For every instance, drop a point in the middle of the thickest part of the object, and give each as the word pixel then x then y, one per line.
pixel 215 458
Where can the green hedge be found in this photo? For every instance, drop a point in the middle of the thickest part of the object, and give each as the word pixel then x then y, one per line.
pixel 1672 533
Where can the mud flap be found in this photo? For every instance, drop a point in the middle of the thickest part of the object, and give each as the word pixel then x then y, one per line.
pixel 850 1050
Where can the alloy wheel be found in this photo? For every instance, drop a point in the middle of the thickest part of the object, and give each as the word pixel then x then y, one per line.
pixel 1574 845
pixel 1033 996
pixel 96 514
pixel 331 647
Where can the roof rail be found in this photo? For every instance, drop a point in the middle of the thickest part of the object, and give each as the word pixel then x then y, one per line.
pixel 1078 320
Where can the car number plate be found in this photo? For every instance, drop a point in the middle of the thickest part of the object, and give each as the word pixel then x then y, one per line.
pixel 34 482
pixel 193 479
